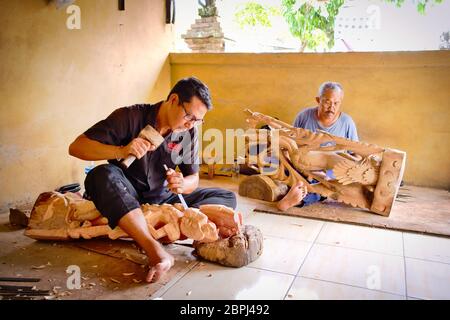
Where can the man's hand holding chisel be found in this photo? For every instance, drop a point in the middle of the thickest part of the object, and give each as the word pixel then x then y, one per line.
pixel 175 181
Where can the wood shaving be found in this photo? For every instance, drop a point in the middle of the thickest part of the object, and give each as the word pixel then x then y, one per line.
pixel 55 289
pixel 114 280
pixel 127 274
pixel 137 281
pixel 38 267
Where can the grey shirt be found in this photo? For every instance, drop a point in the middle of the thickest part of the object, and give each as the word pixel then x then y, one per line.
pixel 343 127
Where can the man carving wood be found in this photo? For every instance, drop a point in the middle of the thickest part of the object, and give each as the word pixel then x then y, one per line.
pixel 118 193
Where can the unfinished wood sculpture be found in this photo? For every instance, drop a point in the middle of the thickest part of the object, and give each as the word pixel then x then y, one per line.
pixel 366 175
pixel 57 216
pixel 67 216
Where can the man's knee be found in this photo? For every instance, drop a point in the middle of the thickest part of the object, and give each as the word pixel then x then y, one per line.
pixel 102 172
pixel 229 198
pixel 107 178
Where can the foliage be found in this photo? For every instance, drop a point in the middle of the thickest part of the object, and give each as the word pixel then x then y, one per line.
pixel 312 21
pixel 253 14
pixel 421 4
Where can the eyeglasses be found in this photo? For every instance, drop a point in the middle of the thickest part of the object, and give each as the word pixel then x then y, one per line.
pixel 190 117
pixel 329 103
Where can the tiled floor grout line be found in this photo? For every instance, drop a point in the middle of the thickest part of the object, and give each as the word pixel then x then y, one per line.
pixel 280 272
pixel 425 260
pixel 358 249
pixel 304 259
pixel 353 286
pixel 404 265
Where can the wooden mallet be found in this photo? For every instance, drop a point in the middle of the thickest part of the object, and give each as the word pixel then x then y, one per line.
pixel 149 134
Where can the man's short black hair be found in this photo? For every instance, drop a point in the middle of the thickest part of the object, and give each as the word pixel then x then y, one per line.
pixel 189 87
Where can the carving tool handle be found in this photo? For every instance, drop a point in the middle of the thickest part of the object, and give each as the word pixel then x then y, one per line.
pixel 127 161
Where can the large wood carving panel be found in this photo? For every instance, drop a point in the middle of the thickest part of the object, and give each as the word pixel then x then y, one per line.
pixel 365 175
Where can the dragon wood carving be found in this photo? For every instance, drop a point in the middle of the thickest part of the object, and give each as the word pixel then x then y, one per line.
pixel 365 175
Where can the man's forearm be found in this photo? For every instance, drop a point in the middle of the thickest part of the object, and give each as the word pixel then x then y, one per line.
pixel 190 183
pixel 87 149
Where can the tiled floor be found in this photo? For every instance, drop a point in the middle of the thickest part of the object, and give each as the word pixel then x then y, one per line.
pixel 302 259
pixel 311 259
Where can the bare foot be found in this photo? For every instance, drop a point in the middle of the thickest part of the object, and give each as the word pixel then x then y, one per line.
pixel 293 197
pixel 159 265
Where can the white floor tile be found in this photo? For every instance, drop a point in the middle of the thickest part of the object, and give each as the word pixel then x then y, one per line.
pixel 310 289
pixel 364 238
pixel 282 255
pixel 427 280
pixel 287 227
pixel 359 268
pixel 210 282
pixel 427 247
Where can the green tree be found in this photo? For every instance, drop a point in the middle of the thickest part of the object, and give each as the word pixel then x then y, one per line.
pixel 312 21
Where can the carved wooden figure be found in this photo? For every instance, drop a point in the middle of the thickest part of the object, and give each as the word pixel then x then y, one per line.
pixel 217 231
pixel 57 216
pixel 366 175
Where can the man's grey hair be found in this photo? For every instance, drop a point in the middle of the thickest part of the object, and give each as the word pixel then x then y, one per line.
pixel 335 86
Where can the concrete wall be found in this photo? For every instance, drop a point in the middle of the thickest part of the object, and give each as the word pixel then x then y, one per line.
pixel 399 99
pixel 56 82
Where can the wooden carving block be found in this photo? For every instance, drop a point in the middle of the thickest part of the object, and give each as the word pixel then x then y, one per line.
pixel 57 216
pixel 263 188
pixel 236 251
pixel 365 175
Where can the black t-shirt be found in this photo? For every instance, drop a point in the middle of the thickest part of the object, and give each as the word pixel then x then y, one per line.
pixel 147 174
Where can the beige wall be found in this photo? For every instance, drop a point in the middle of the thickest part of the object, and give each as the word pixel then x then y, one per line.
pixel 399 100
pixel 56 82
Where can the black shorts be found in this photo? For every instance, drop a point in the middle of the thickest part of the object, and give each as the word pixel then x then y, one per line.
pixel 114 196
